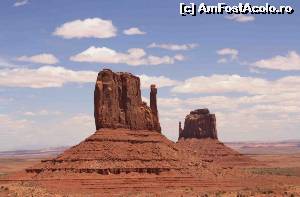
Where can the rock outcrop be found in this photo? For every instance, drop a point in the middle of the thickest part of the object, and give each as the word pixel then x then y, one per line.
pixel 199 124
pixel 199 141
pixel 122 143
pixel 118 103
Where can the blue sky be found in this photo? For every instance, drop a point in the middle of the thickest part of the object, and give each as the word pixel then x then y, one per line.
pixel 246 70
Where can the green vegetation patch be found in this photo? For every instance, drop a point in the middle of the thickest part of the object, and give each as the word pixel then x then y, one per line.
pixel 277 171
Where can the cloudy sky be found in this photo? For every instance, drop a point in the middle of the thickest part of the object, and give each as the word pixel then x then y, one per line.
pixel 245 69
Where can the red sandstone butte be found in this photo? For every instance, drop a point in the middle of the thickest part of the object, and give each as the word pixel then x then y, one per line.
pixel 118 103
pixel 199 137
pixel 199 124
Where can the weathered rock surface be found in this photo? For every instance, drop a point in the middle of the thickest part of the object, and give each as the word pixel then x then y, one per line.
pixel 123 156
pixel 118 103
pixel 199 124
pixel 122 143
pixel 198 139
pixel 116 151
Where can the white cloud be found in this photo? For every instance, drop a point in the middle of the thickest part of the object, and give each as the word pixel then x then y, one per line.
pixel 240 18
pixel 6 64
pixel 44 58
pixel 87 28
pixel 133 57
pixel 174 47
pixel 133 31
pixel 239 84
pixel 227 54
pixel 80 119
pixel 44 77
pixel 6 122
pixel 261 108
pixel 49 76
pixel 289 62
pixel 19 133
pixel 254 117
pixel 159 81
pixel 42 112
pixel 20 3
pixel 222 61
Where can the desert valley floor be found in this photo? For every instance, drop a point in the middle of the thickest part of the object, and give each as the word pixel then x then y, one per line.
pixel 282 170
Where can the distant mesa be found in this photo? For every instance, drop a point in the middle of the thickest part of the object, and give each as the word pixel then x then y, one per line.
pixel 118 103
pixel 199 124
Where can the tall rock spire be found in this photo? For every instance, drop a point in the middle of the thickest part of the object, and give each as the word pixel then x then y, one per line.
pixel 153 102
pixel 180 128
pixel 153 106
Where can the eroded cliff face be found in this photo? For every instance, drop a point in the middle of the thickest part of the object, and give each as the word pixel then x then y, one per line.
pixel 118 103
pixel 199 124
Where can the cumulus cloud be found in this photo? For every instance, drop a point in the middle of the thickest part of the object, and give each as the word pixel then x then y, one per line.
pixel 80 119
pixel 257 109
pixel 44 58
pixel 20 3
pixel 87 28
pixel 249 117
pixel 227 54
pixel 236 83
pixel 6 64
pixel 20 133
pixel 174 47
pixel 133 57
pixel 42 112
pixel 8 123
pixel 241 18
pixel 159 81
pixel 133 31
pixel 50 76
pixel 44 77
pixel 284 63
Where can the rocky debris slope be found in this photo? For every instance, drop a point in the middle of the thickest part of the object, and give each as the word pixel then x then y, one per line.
pixel 118 103
pixel 116 151
pixel 212 153
pixel 198 139
pixel 199 124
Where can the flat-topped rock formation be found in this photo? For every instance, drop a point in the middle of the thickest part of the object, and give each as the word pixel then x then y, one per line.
pixel 118 103
pixel 199 124
pixel 199 140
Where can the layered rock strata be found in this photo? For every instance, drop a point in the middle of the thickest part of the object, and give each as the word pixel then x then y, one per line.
pixel 199 124
pixel 118 103
pixel 199 140
pixel 116 151
pixel 122 142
